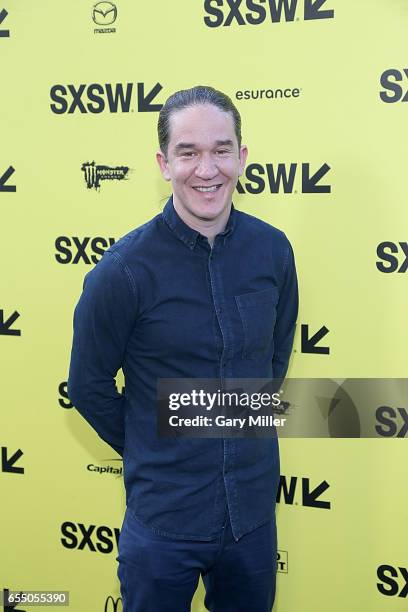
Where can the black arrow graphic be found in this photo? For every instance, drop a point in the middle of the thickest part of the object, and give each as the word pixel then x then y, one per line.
pixel 10 607
pixel 3 179
pixel 144 102
pixel 309 183
pixel 309 344
pixel 8 462
pixel 310 497
pixel 239 187
pixel 312 10
pixel 3 15
pixel 5 325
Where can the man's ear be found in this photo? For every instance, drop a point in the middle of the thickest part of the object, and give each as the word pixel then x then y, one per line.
pixel 243 154
pixel 163 165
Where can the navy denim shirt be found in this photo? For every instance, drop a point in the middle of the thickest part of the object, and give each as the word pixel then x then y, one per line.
pixel 161 303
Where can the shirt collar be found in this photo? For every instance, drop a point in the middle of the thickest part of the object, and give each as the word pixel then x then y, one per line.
pixel 187 234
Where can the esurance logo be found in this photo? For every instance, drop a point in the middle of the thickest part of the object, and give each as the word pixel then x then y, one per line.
pixel 391 82
pixel 97 98
pixel 280 178
pixel 254 12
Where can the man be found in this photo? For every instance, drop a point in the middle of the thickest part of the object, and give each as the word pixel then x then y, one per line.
pixel 200 291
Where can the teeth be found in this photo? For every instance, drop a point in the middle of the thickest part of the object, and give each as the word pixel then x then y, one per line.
pixel 204 189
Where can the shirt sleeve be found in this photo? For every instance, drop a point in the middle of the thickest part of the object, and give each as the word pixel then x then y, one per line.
pixel 103 321
pixel 287 312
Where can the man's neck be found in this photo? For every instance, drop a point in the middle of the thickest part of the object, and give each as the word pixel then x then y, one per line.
pixel 206 227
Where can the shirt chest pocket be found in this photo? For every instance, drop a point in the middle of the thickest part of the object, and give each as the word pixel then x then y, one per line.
pixel 257 311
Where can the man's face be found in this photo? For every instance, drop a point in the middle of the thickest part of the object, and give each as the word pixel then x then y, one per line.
pixel 203 161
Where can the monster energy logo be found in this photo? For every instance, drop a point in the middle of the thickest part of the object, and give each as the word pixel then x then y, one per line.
pixel 94 174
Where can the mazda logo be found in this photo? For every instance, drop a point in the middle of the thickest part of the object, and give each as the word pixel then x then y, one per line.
pixel 104 13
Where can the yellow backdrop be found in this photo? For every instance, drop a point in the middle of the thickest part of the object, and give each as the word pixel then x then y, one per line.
pixel 322 89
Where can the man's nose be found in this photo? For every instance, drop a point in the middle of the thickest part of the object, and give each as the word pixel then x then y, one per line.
pixel 206 167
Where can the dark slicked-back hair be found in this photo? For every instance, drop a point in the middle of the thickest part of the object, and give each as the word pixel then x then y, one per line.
pixel 200 94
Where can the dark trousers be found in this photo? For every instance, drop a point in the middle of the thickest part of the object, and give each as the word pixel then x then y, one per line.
pixel 159 574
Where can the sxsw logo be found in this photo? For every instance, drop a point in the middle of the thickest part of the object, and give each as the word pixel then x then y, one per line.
pixel 9 460
pixel 87 250
pixel 63 398
pixel 309 495
pixel 255 12
pixel 280 178
pixel 4 178
pixel 9 600
pixel 395 263
pixel 97 98
pixel 6 328
pixel 393 91
pixel 394 580
pixel 393 423
pixel 3 15
pixel 89 537
pixel 309 340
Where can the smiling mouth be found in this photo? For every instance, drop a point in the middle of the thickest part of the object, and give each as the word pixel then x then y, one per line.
pixel 210 189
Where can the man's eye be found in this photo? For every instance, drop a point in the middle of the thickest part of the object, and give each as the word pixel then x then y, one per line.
pixel 222 151
pixel 188 154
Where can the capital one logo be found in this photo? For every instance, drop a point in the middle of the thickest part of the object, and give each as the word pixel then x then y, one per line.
pixel 104 13
pixel 391 80
pixel 255 12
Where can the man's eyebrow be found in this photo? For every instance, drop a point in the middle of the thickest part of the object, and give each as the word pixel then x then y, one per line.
pixel 190 145
pixel 224 143
pixel 184 145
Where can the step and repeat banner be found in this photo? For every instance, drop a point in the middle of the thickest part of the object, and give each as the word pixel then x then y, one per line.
pixel 322 88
